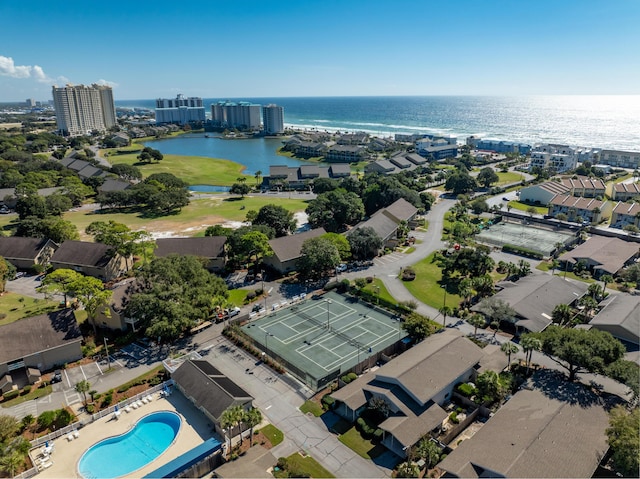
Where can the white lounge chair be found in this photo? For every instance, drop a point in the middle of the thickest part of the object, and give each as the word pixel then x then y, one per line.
pixel 69 437
pixel 45 465
pixel 134 405
pixel 139 403
pixel 144 400
pixel 76 434
pixel 149 397
pixel 127 409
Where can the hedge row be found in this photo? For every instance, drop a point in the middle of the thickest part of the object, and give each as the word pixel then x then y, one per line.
pixel 368 432
pixel 509 248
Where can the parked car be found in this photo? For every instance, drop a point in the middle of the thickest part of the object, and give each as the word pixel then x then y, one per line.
pixel 341 268
pixel 57 376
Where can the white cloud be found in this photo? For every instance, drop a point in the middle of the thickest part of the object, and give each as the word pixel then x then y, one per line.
pixel 112 84
pixel 9 69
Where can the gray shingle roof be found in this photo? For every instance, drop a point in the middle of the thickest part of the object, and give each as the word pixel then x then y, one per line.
pixel 38 333
pixel 535 435
pixel 620 310
pixel 83 253
pixel 205 247
pixel 209 388
pixel 288 247
pixel 18 247
pixel 402 209
pixel 610 254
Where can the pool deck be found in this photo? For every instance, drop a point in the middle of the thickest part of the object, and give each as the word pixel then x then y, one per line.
pixel 194 430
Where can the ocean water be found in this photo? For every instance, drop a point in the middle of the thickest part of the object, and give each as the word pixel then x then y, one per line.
pixel 601 121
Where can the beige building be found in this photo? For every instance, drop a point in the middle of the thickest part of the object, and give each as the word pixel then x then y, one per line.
pixel 625 214
pixel 40 342
pixel 92 259
pixel 625 191
pixel 81 109
pixel 576 208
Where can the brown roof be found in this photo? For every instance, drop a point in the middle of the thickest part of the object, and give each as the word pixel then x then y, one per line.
pixel 38 333
pixel 402 209
pixel 83 253
pixel 288 247
pixel 610 254
pixel 627 188
pixel 577 202
pixel 629 209
pixel 584 182
pixel 205 247
pixel 621 310
pixel 18 247
pixel 536 435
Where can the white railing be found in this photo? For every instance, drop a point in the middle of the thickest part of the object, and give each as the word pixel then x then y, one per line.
pixel 27 474
pixel 94 417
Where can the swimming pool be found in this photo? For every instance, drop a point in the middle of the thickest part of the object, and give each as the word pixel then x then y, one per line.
pixel 119 455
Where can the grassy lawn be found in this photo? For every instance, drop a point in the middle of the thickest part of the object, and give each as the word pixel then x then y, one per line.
pixel 384 293
pixel 195 170
pixel 541 210
pixel 508 177
pixel 312 407
pixel 33 394
pixel 274 434
pixel 191 220
pixel 363 447
pixel 237 296
pixel 307 465
pixel 426 287
pixel 16 306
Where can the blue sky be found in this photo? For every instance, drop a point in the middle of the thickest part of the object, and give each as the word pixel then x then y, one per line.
pixel 249 48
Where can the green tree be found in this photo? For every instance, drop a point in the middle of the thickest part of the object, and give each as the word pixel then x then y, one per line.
pixel 11 462
pixel 60 281
pixel 580 350
pixel 460 183
pixel 124 241
pixel 477 321
pixel 9 427
pixel 91 293
pixel 126 172
pixel 408 469
pixel 479 206
pixel 529 344
pixel 252 418
pixel 606 279
pixel 341 243
pixel 278 218
pixel 240 189
pixel 418 326
pixel 255 243
pixel 335 210
pixel 83 387
pixel 562 314
pixel 495 309
pixel 318 255
pixel 5 273
pixel 487 176
pixel 429 451
pixel 624 440
pixel 489 386
pixel 628 373
pixel 364 242
pixel 258 177
pixel 445 311
pixel 509 348
pixel 57 204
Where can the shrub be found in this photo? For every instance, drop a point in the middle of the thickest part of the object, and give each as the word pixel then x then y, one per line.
pixel 282 462
pixel 90 408
pixel 377 435
pixel 3 315
pixel 11 394
pixel 106 402
pixel 352 376
pixel 509 248
pixel 328 401
pixel 46 419
pixel 63 418
pixel 453 417
pixel 466 390
pixel 369 279
pixel 345 379
pixel 26 389
pixel 408 274
pixel 251 295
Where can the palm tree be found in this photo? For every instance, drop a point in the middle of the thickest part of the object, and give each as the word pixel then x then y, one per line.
pixel 524 268
pixel 237 413
pixel 12 462
pixel 554 265
pixel 258 177
pixel 429 451
pixel 241 179
pixel 477 321
pixel 509 348
pixel 252 418
pixel 529 344
pixel 445 310
pixel 227 423
pixel 606 279
pixel 465 290
pixel 561 314
pixel 83 387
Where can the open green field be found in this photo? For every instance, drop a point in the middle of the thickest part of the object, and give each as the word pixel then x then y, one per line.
pixel 195 170
pixel 517 205
pixel 16 306
pixel 193 219
pixel 508 177
pixel 426 287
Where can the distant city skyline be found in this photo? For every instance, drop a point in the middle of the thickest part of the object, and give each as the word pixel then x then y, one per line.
pixel 290 48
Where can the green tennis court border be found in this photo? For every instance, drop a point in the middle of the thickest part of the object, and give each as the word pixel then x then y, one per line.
pixel 318 339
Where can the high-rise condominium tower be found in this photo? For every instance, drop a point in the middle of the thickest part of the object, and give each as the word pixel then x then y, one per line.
pixel 273 119
pixel 81 109
pixel 182 110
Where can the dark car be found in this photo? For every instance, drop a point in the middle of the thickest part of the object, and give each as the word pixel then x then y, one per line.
pixel 57 376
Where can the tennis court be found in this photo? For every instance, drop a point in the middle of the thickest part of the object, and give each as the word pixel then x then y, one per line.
pixel 321 338
pixel 542 240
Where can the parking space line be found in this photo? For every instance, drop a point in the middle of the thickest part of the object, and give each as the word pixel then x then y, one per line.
pixel 67 376
pixel 83 374
pixel 99 368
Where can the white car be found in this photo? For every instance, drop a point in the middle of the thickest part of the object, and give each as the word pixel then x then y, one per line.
pixel 341 268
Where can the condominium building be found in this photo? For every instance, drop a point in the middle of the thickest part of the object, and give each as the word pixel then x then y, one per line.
pixel 273 119
pixel 560 158
pixel 620 159
pixel 181 110
pixel 242 115
pixel 81 109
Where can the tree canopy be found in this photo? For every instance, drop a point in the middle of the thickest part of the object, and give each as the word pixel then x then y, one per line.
pixel 418 326
pixel 276 217
pixel 623 437
pixel 365 243
pixel 335 210
pixel 173 294
pixel 318 255
pixel 487 176
pixel 580 350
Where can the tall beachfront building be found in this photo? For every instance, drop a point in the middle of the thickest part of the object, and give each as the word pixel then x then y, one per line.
pixel 273 119
pixel 242 115
pixel 81 109
pixel 181 110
